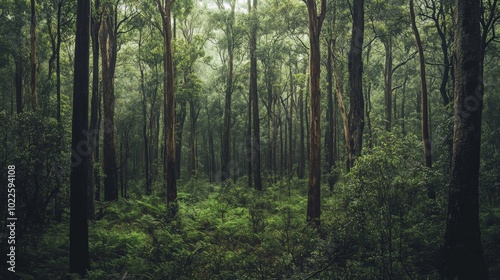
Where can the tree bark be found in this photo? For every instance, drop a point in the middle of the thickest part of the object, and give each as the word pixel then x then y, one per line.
pixel 388 83
pixel 463 252
pixel 34 98
pixel 79 251
pixel 226 134
pixel 168 106
pixel 355 65
pixel 256 172
pixel 423 87
pixel 330 128
pixel 108 52
pixel 314 199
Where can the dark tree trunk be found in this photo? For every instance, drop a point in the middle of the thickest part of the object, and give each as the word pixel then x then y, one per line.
pixel 423 87
pixel 94 110
pixel 355 65
pixel 169 106
pixel 79 250
pixel 463 252
pixel 108 51
pixel 315 23
pixel 34 98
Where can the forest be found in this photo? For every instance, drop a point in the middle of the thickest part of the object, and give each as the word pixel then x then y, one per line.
pixel 249 139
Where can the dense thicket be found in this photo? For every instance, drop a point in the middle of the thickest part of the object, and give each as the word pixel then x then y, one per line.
pixel 218 130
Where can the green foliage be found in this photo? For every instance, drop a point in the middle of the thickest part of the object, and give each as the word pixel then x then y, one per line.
pixel 383 224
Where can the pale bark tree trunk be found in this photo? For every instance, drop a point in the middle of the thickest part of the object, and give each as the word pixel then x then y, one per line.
pixel 314 198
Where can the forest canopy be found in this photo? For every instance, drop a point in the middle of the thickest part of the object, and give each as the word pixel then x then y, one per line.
pixel 257 139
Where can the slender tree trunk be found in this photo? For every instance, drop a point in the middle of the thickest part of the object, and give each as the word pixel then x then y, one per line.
pixel 330 127
pixel 255 104
pixel 423 87
pixel 58 59
pixel 94 110
pixel 355 65
pixel 79 251
pixel 315 23
pixel 169 106
pixel 180 118
pixel 34 98
pixel 388 83
pixel 302 153
pixel 463 252
pixel 343 113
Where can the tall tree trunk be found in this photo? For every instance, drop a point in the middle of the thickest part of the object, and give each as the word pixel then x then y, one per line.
pixel 147 148
pixel 315 23
pixel 226 136
pixel 302 153
pixel 463 252
pixel 343 112
pixel 355 65
pixel 79 251
pixel 169 105
pixel 330 127
pixel 180 118
pixel 388 83
pixel 58 59
pixel 193 117
pixel 255 104
pixel 108 46
pixel 94 110
pixel 34 101
pixel 423 87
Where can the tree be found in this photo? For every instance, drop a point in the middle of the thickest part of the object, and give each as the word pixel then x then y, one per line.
pixel 463 252
pixel 34 101
pixel 79 250
pixel 169 170
pixel 355 66
pixel 110 30
pixel 255 144
pixel 423 89
pixel 315 23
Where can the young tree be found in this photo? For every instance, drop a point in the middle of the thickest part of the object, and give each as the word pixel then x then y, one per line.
pixel 463 251
pixel 423 88
pixel 315 23
pixel 79 250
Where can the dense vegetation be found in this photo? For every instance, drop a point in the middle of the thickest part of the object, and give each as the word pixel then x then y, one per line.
pixel 230 139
